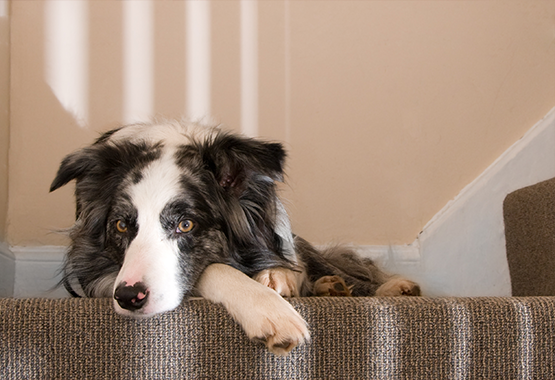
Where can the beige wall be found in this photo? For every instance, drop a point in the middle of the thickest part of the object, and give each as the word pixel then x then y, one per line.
pixel 4 113
pixel 388 108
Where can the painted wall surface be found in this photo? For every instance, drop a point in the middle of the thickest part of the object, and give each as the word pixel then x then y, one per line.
pixel 388 109
pixel 4 113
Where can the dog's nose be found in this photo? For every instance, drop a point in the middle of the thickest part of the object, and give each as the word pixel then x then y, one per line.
pixel 131 297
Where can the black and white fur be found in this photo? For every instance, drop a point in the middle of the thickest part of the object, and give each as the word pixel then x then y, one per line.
pixel 168 210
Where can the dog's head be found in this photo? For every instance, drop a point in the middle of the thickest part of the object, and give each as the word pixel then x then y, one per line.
pixel 156 204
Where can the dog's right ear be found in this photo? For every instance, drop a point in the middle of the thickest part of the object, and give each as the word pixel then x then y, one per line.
pixel 74 166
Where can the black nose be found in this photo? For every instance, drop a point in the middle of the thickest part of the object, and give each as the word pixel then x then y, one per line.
pixel 131 297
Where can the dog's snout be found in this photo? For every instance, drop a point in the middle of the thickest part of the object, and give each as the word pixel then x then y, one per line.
pixel 131 297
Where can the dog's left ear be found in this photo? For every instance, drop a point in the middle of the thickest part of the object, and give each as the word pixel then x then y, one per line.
pixel 235 160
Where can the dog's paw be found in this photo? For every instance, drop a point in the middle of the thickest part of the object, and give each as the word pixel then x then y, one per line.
pixel 273 321
pixel 282 280
pixel 398 286
pixel 262 313
pixel 331 286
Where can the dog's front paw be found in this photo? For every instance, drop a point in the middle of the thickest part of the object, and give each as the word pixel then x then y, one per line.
pixel 273 321
pixel 282 280
pixel 398 286
pixel 262 313
pixel 332 286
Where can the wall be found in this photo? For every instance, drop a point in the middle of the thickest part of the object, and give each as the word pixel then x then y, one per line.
pixel 7 263
pixel 396 106
pixel 388 109
pixel 4 113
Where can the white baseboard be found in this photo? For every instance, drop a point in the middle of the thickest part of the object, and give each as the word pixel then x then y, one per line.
pixel 31 271
pixel 35 271
pixel 7 271
pixel 399 259
pixel 460 252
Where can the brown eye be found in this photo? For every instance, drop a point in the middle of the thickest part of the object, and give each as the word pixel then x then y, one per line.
pixel 121 226
pixel 185 226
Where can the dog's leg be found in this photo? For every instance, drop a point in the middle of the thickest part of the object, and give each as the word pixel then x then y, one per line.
pixel 261 312
pixel 398 286
pixel 284 281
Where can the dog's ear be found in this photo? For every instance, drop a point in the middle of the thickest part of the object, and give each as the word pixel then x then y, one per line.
pixel 81 162
pixel 235 160
pixel 74 166
pixel 102 159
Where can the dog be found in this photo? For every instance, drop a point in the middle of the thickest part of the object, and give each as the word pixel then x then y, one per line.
pixel 171 209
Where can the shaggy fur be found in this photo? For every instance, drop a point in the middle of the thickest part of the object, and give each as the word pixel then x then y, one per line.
pixel 161 206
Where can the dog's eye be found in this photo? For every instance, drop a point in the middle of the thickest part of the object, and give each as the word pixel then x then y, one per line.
pixel 185 226
pixel 121 226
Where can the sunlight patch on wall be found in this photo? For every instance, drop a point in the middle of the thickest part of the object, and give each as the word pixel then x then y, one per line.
pixel 198 59
pixel 4 8
pixel 66 55
pixel 138 36
pixel 249 67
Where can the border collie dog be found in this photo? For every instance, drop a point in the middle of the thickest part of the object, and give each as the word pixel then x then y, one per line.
pixel 168 210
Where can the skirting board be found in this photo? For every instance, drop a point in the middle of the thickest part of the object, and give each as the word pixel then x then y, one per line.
pixel 7 271
pixel 31 271
pixel 35 271
pixel 460 252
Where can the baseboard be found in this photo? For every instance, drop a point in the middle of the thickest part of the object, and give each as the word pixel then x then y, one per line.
pixel 7 271
pixel 27 272
pixel 398 258
pixel 35 271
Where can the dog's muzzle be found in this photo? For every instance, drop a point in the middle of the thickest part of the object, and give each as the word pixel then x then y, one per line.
pixel 131 297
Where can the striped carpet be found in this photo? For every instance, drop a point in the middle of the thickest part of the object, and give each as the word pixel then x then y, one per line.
pixel 352 338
